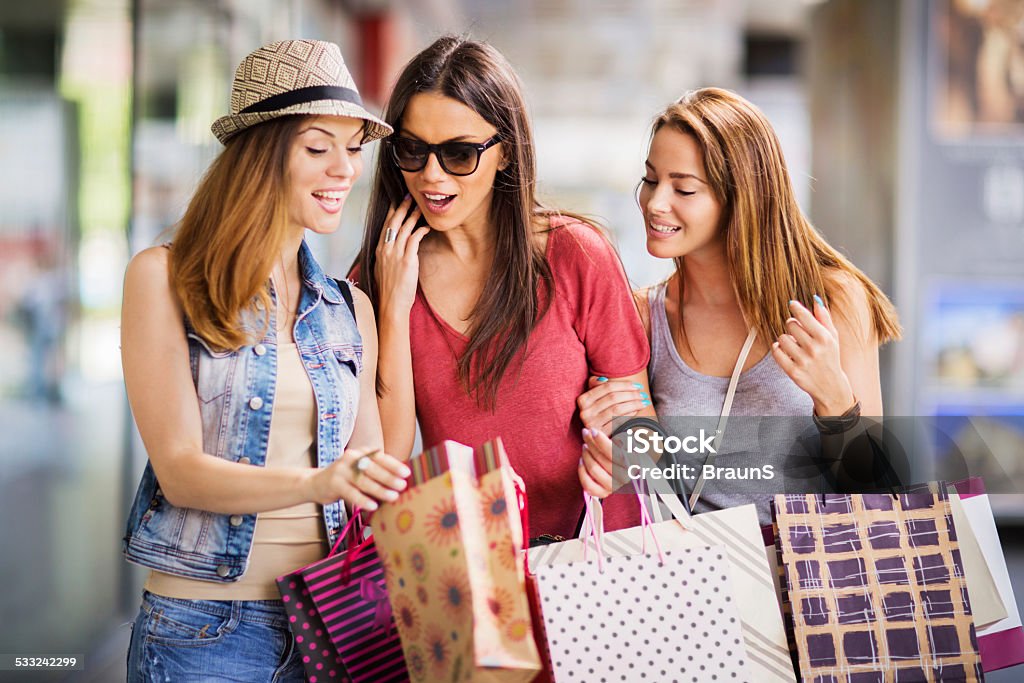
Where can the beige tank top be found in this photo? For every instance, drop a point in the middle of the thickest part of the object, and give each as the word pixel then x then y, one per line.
pixel 285 539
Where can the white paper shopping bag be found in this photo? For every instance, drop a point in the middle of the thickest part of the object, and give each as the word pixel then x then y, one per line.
pixel 753 582
pixel 636 617
pixel 1001 643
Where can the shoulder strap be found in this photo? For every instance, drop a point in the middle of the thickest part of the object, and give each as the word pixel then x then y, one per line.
pixel 726 407
pixel 346 294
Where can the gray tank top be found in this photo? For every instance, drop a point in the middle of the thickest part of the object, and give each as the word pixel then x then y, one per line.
pixel 770 421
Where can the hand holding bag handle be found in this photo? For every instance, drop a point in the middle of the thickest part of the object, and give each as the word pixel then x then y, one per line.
pixel 671 499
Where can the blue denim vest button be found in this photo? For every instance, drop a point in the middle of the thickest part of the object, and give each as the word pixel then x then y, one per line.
pixel 222 570
pixel 259 349
pixel 255 402
pixel 236 520
pixel 244 460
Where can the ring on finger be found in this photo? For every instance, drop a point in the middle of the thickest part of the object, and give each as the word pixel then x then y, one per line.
pixel 389 235
pixel 363 462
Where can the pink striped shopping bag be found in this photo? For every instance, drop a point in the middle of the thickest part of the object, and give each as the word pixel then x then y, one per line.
pixel 339 611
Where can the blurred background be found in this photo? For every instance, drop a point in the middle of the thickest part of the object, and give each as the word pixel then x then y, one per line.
pixel 902 121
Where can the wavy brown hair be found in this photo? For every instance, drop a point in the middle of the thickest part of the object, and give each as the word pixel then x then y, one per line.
pixel 518 290
pixel 774 252
pixel 232 233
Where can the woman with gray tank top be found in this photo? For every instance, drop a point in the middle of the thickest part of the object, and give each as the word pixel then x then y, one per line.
pixel 761 318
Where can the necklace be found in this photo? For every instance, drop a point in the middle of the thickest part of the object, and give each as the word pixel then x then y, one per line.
pixel 286 307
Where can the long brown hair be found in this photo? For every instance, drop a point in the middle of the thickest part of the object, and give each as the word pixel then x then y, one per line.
pixel 773 251
pixel 478 76
pixel 233 230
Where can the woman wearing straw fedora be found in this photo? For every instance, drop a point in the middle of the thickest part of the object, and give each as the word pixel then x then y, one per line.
pixel 494 312
pixel 244 366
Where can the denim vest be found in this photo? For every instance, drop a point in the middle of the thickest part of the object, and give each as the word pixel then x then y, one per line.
pixel 236 400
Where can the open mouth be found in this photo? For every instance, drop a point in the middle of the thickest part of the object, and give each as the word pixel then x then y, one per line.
pixel 663 229
pixel 330 200
pixel 437 202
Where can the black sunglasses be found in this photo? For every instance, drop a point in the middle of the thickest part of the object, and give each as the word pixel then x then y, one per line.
pixel 456 158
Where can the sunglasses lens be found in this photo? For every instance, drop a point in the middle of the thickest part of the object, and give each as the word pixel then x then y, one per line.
pixel 409 154
pixel 459 158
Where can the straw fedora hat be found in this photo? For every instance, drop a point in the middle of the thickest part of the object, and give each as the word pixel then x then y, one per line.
pixel 294 77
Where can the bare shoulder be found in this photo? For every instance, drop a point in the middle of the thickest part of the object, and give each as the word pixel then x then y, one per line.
pixel 366 321
pixel 151 258
pixel 148 271
pixel 362 302
pixel 150 309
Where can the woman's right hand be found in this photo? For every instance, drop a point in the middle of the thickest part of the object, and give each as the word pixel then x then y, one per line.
pixel 597 465
pixel 398 265
pixel 610 398
pixel 380 478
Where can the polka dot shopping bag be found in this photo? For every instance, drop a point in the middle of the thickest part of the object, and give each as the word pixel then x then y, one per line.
pixel 659 616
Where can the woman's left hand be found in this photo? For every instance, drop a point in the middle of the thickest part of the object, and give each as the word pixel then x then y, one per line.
pixel 596 465
pixel 809 354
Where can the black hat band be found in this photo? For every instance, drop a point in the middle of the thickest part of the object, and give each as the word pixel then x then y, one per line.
pixel 303 95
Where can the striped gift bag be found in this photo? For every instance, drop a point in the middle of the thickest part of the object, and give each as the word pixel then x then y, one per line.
pixel 339 611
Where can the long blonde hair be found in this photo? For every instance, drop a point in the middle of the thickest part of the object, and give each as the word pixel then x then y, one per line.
pixel 773 251
pixel 233 230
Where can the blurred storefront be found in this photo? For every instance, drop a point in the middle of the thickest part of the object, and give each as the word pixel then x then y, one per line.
pixel 903 125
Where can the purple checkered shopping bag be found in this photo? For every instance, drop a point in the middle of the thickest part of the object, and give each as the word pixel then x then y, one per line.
pixel 876 588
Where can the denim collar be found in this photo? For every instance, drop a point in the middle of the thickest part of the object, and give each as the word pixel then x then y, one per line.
pixel 314 276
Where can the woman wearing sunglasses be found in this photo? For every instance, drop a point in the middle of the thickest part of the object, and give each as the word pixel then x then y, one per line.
pixel 757 294
pixel 492 310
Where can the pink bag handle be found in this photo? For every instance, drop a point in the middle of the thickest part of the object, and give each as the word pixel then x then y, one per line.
pixel 646 523
pixel 354 524
pixel 588 503
pixel 368 590
pixel 524 516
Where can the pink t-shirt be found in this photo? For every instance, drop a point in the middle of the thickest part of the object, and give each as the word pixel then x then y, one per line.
pixel 591 327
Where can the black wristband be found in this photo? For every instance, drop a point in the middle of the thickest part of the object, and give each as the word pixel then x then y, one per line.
pixel 636 422
pixel 841 423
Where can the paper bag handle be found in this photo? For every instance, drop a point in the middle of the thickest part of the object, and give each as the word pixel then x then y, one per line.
pixel 646 524
pixel 592 530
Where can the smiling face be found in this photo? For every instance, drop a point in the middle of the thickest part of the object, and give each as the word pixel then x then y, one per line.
pixel 324 161
pixel 681 213
pixel 450 201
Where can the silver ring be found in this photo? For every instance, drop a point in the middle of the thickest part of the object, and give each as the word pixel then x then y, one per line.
pixel 363 463
pixel 389 235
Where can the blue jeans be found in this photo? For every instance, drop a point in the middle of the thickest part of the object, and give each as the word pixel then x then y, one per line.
pixel 194 641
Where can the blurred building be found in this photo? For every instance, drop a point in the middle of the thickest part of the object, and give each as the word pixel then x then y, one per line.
pixel 903 125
